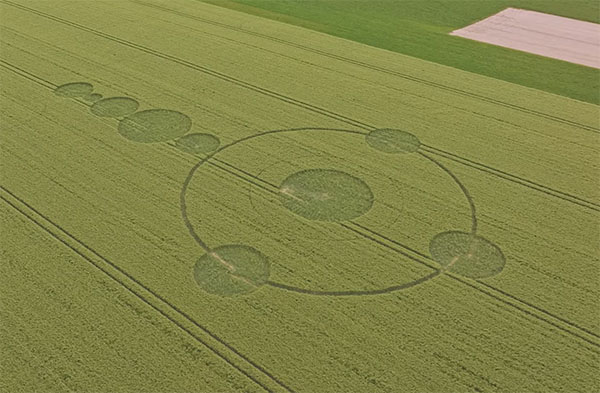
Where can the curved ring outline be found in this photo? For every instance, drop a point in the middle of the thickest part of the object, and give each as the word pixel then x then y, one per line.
pixel 201 243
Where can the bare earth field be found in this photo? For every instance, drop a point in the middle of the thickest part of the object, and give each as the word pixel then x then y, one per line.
pixel 553 36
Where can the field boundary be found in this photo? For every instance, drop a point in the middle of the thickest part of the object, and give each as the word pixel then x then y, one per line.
pixel 179 318
pixel 377 68
pixel 308 106
pixel 438 152
pixel 329 249
pixel 394 88
pixel 539 33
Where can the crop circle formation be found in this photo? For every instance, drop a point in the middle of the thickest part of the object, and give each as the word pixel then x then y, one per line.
pixel 114 107
pixel 146 126
pixel 74 90
pixel 393 141
pixel 231 270
pixel 320 194
pixel 198 143
pixel 154 125
pixel 325 195
pixel 93 97
pixel 467 254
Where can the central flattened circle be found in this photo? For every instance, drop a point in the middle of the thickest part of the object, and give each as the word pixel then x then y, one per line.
pixel 326 195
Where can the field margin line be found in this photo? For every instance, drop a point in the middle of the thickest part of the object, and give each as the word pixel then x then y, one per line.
pixel 291 101
pixel 402 75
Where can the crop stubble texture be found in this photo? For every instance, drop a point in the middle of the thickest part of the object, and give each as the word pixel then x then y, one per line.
pixel 128 211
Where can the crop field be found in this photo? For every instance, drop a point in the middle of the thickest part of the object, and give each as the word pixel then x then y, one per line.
pixel 197 199
pixel 420 28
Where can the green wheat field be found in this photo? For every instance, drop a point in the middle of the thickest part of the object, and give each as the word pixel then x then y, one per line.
pixel 250 196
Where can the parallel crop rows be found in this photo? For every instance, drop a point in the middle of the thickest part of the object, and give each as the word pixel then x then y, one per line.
pixel 300 332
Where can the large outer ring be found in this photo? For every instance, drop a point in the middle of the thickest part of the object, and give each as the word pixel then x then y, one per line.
pixel 201 243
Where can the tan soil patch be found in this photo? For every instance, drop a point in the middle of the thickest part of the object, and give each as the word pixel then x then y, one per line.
pixel 547 35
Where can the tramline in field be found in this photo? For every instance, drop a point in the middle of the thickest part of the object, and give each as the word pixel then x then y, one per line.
pixel 213 200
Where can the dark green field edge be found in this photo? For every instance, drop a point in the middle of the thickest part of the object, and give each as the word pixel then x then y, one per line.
pixel 377 68
pixel 341 118
pixel 431 40
pixel 322 111
pixel 199 333
pixel 283 97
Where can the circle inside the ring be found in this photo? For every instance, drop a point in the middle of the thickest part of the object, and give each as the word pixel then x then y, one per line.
pixel 326 195
pixel 307 291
